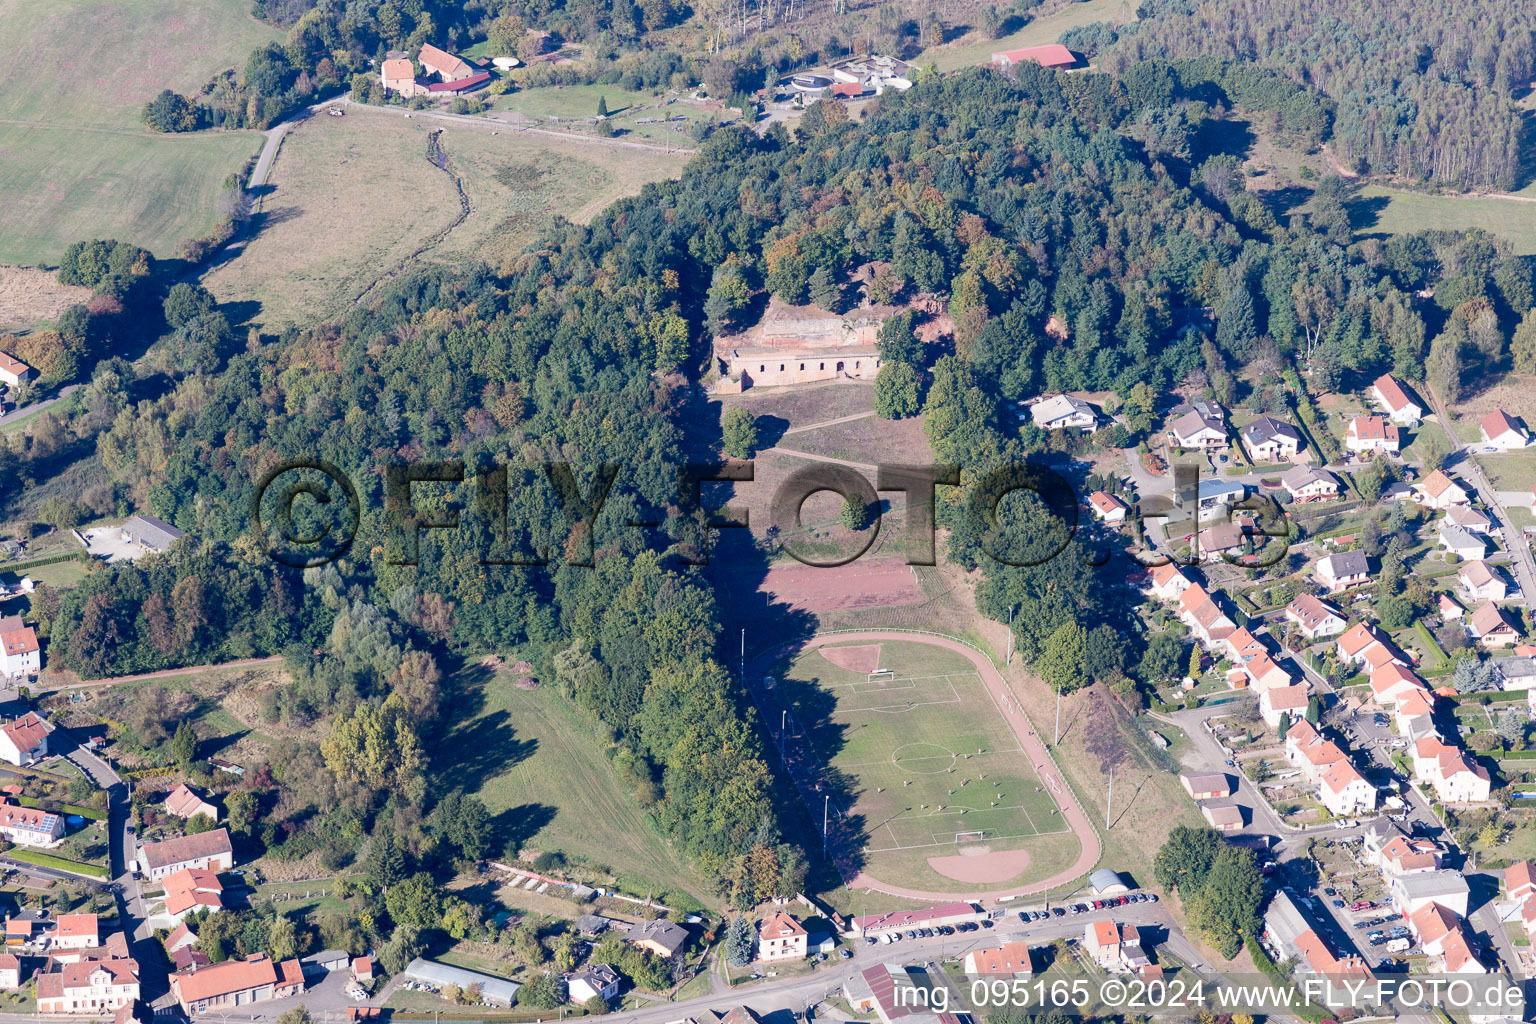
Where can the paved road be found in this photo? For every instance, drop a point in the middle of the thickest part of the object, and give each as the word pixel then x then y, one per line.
pixel 1009 709
pixel 1472 472
pixel 126 887
pixel 39 406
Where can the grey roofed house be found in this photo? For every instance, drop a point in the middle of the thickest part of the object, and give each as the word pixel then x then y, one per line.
pixel 1348 563
pixel 1266 428
pixel 495 990
pixel 1433 884
pixel 149 532
pixel 1454 538
pixel 1284 923
pixel 591 924
pixel 1517 673
pixel 661 932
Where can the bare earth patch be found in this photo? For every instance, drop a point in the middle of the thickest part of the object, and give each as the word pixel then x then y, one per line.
pixel 863 658
pixel 29 295
pixel 866 583
pixel 981 864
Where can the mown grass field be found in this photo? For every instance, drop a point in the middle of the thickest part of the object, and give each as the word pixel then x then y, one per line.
pixel 927 757
pixel 1384 211
pixel 74 161
pixel 353 197
pixel 538 763
pixel 972 49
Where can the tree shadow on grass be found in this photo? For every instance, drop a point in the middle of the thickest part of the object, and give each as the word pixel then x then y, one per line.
pixel 481 749
pixel 513 828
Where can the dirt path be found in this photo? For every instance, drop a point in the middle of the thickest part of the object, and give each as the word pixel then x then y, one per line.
pixel 829 423
pixel 191 670
pixel 1034 747
pixel 821 458
pixel 437 157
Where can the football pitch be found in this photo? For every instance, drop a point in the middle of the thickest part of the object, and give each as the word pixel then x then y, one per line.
pixel 914 739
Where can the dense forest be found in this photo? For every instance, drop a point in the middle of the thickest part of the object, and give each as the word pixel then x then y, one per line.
pixel 1085 231
pixel 1425 91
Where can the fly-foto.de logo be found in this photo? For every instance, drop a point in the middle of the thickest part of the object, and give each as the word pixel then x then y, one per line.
pixel 308 512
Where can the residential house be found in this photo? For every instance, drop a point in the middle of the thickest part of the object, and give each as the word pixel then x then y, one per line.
pixel 1196 430
pixel 1449 889
pixel 1450 610
pixel 1480 581
pixel 236 983
pixel 180 938
pixel 183 802
pixel 1168 583
pixel 1207 785
pixel 1306 748
pixel 1222 542
pixel 1345 792
pixel 1242 646
pixel 362 969
pixel 1490 627
pixel 20 655
pixel 1367 435
pixel 1414 715
pixel 1392 682
pixel 30 826
pixel 662 937
pixel 780 937
pixel 1282 700
pixel 88 986
pixel 1307 484
pixel 1270 440
pixel 1400 406
pixel 1500 431
pixel 1520 881
pixel 1340 571
pixel 1049 55
pixel 75 932
pixel 593 980
pixel 1011 960
pixel 1516 673
pixel 1362 645
pixel 1223 817
pixel 1454 776
pixel 1471 520
pixel 10 971
pixel 1460 543
pixel 1314 617
pixel 1107 508
pixel 1199 611
pixel 1433 924
pixel 1291 936
pixel 208 850
pixel 190 890
pixel 1214 497
pixel 13 371
pixel 24 740
pixel 1265 675
pixel 1060 412
pixel 443 64
pixel 398 74
pixel 1385 846
pixel 1438 491
pixel 1114 947
pixel 150 534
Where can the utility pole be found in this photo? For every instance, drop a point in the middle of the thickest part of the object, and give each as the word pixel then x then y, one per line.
pixel 783 719
pixel 743 657
pixel 1057 740
pixel 826 806
pixel 1109 801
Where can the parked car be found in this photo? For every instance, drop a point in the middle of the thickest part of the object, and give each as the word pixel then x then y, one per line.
pixel 1339 904
pixel 1059 912
pixel 845 954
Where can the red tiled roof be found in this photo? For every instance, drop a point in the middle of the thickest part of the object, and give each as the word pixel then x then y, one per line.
pixel 1392 393
pixel 222 979
pixel 75 925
